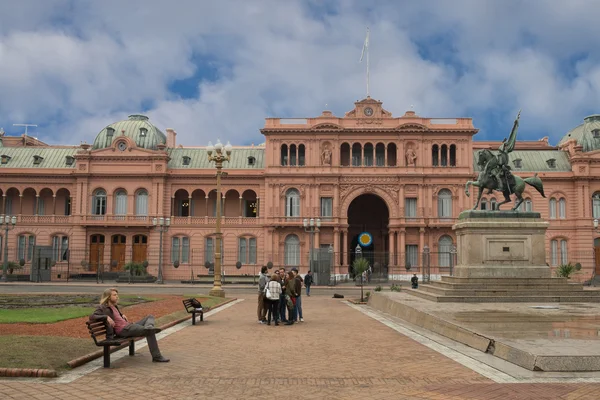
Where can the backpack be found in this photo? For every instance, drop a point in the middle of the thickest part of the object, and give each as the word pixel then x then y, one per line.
pixel 195 303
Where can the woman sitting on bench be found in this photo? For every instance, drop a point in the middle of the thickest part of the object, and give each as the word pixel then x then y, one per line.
pixel 117 323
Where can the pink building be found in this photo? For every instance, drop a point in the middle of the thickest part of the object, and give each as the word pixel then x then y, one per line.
pixel 399 181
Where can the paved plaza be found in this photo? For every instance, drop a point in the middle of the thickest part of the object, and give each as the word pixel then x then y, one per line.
pixel 342 351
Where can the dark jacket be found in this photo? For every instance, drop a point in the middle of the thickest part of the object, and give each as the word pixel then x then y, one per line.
pixel 308 280
pixel 298 285
pixel 102 312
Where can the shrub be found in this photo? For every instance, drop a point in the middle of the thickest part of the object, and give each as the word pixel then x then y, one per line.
pixel 12 265
pixel 378 288
pixel 566 270
pixel 135 268
pixel 395 288
pixel 367 294
pixel 360 265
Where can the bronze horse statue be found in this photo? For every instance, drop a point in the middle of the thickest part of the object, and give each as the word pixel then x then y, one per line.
pixel 515 186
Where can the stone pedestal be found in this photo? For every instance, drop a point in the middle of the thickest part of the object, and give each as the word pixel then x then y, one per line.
pixel 501 244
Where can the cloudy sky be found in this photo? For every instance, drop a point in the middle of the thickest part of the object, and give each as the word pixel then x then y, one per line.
pixel 217 68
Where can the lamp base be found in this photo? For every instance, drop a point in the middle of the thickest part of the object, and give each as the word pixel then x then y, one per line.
pixel 217 292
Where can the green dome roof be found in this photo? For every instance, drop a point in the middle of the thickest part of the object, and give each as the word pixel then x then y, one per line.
pixel 586 134
pixel 137 127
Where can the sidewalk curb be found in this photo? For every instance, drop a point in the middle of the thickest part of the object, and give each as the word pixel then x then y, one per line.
pixel 28 373
pixel 97 354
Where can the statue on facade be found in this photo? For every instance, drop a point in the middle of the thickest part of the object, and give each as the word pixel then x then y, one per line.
pixel 411 157
pixel 326 156
pixel 496 173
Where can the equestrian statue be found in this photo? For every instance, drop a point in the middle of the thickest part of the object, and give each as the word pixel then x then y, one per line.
pixel 496 173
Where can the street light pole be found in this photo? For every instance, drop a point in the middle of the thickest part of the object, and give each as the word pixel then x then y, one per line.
pixel 309 226
pixel 218 158
pixel 163 226
pixel 8 223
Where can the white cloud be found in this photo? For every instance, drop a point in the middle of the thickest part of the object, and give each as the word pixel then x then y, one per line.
pixel 78 66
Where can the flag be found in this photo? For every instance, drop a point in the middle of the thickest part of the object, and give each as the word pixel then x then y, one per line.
pixel 365 46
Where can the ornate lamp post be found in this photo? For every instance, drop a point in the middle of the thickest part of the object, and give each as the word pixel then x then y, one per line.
pixel 219 157
pixel 310 227
pixel 8 223
pixel 163 226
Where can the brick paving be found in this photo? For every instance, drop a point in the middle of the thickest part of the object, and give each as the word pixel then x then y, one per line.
pixel 338 353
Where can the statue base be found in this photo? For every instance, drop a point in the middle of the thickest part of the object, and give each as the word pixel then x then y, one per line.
pixel 501 244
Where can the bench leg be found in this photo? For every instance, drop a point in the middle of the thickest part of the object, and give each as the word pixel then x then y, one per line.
pixel 202 316
pixel 106 356
pixel 131 347
pixel 193 318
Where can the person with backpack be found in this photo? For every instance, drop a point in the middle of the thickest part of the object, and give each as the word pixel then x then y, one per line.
pixel 308 280
pixel 272 293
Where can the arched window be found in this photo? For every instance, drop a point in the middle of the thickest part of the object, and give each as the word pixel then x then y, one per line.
pixel 25 245
pixel 301 155
pixel 120 202
pixel 453 155
pixel 292 155
pixel 292 250
pixel 483 204
pixel 435 154
pixel 345 154
pixel 444 203
pixel 380 155
pixel 493 204
pixel 356 156
pixel 284 155
pixel 552 210
pixel 368 155
pixel 444 248
pixel 444 156
pixel 99 202
pixel 391 155
pixel 292 203
pixel 141 202
pixel 528 205
pixel 562 208
pixel 596 205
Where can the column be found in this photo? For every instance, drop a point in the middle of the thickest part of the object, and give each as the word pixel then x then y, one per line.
pixel 20 204
pixel 421 243
pixel 401 247
pixel 241 210
pixel 172 212
pixel 257 207
pixel 54 204
pixel 206 205
pixel 4 204
pixel 587 200
pixel 317 240
pixel 346 256
pixel 36 204
pixel 190 209
pixel 336 247
pixel 392 257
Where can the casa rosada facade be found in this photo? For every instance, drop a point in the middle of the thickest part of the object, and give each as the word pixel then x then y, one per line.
pixel 394 183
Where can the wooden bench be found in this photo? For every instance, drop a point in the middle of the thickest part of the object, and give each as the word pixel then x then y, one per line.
pixel 98 332
pixel 187 303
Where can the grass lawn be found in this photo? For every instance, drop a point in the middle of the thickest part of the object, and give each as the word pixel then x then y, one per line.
pixel 52 352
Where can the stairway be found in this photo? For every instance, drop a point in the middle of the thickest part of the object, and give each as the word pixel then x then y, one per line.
pixel 505 290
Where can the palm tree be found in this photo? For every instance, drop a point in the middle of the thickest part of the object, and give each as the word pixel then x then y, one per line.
pixel 360 265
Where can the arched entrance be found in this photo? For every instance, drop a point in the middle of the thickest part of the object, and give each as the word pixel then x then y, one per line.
pixel 597 256
pixel 117 252
pixel 96 251
pixel 368 213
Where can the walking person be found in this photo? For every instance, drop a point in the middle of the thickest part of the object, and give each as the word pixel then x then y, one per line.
pixel 308 280
pixel 119 325
pixel 261 310
pixel 298 289
pixel 272 293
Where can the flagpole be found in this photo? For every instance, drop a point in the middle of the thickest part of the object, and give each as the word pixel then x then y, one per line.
pixel 367 62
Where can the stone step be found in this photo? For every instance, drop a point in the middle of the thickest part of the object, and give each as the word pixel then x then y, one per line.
pixel 509 292
pixel 504 299
pixel 505 281
pixel 511 286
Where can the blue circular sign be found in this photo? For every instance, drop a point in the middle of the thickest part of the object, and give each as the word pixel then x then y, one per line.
pixel 365 239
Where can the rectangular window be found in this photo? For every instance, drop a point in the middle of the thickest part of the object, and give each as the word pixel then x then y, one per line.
pixel 595 207
pixel 562 209
pixel 21 247
pixel 326 207
pixel 445 207
pixel 242 250
pixel 185 250
pixel 30 246
pixel 64 249
pixel 55 248
pixel 552 208
pixel 209 250
pixel 564 258
pixel 174 249
pixel 410 207
pixel 252 251
pixel 528 205
pixel 412 255
pixel 553 252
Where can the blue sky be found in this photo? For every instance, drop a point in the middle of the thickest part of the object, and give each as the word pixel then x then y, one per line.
pixel 217 69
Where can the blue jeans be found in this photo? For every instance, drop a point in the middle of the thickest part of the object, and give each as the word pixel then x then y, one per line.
pixel 298 308
pixel 282 307
pixel 308 290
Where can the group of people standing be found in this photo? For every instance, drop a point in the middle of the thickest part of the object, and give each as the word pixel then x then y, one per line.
pixel 281 292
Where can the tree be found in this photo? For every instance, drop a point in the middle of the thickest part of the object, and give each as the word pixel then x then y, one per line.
pixel 360 265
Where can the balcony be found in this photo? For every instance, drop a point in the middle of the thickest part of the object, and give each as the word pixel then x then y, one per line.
pixel 116 220
pixel 212 221
pixel 44 219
